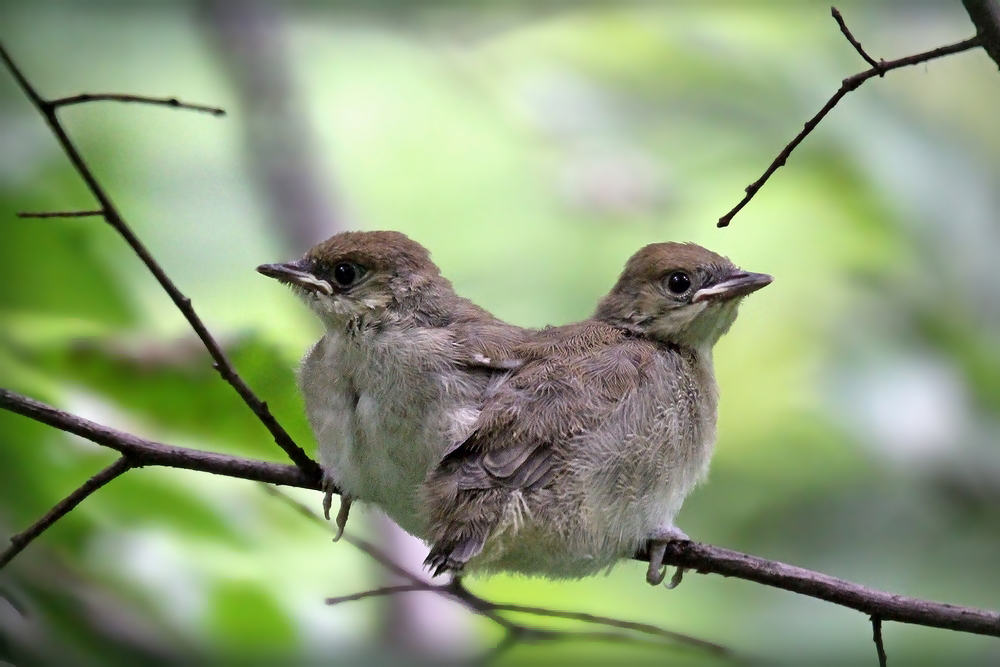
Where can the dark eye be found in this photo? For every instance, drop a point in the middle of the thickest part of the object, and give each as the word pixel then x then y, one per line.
pixel 345 273
pixel 678 282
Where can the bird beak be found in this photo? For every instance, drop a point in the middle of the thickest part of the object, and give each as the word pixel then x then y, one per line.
pixel 296 273
pixel 737 285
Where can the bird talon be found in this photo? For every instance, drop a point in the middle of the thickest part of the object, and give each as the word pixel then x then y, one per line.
pixel 342 514
pixel 657 570
pixel 327 500
pixel 676 579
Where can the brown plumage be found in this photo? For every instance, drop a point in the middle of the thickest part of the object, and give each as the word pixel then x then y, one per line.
pixel 588 448
pixel 399 374
pixel 552 452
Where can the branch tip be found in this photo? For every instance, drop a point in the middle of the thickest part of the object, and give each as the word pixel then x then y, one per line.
pixel 47 109
pixel 877 638
pixel 60 214
pixel 173 102
pixel 20 541
pixel 849 84
pixel 854 42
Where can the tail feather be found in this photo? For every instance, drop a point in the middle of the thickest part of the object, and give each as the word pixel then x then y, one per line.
pixel 453 556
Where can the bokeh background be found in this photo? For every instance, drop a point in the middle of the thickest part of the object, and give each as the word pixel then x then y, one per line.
pixel 532 146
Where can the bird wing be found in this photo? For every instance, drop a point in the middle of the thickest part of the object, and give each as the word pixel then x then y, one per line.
pixel 569 380
pixel 488 345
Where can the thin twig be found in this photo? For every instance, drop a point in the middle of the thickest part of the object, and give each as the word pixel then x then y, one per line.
pixel 173 102
pixel 850 38
pixel 645 628
pixel 458 592
pixel 849 84
pixel 538 635
pixel 703 558
pixel 877 638
pixel 63 507
pixel 373 552
pixel 48 111
pixel 382 592
pixel 61 214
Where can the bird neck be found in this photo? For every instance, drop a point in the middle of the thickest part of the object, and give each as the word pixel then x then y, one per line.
pixel 696 326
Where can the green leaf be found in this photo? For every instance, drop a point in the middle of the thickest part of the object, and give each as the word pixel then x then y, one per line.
pixel 53 267
pixel 173 388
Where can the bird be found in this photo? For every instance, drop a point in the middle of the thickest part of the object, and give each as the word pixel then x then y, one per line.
pixel 399 374
pixel 583 451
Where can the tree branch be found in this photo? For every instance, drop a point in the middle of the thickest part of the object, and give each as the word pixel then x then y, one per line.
pixel 851 38
pixel 877 638
pixel 457 592
pixel 708 559
pixel 142 452
pixel 84 98
pixel 63 507
pixel 985 15
pixel 61 214
pixel 848 85
pixel 111 214
pixel 704 558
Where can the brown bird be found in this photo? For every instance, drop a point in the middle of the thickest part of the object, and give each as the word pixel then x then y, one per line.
pixel 400 374
pixel 583 452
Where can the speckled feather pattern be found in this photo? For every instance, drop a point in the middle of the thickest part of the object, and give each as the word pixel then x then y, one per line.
pixel 578 457
pixel 400 374
pixel 550 452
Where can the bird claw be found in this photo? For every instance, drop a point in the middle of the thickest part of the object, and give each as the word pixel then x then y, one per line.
pixel 329 489
pixel 342 514
pixel 657 571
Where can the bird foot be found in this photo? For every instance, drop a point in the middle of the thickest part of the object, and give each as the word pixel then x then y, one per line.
pixel 657 571
pixel 342 514
pixel 329 489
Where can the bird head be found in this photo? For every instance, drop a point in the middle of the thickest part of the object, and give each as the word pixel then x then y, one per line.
pixel 678 293
pixel 361 274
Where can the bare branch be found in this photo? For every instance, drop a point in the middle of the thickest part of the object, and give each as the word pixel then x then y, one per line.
pixel 143 452
pixel 456 591
pixel 48 111
pixel 850 38
pixel 63 507
pixel 708 559
pixel 703 558
pixel 61 214
pixel 848 85
pixel 383 591
pixel 877 638
pixel 615 623
pixel 173 102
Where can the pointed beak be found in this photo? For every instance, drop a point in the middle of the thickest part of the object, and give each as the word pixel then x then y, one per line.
pixel 296 273
pixel 735 286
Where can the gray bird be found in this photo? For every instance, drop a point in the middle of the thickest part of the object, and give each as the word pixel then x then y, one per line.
pixel 399 376
pixel 583 453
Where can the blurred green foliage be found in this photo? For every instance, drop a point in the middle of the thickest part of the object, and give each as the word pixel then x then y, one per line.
pixel 532 147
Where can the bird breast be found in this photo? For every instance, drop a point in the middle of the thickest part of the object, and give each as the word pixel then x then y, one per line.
pixel 635 470
pixel 384 405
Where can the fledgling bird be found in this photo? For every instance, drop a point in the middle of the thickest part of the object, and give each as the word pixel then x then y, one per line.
pixel 584 452
pixel 400 372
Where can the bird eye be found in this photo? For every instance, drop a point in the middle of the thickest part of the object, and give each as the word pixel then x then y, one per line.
pixel 678 282
pixel 346 273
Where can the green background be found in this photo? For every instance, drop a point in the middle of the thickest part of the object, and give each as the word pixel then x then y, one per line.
pixel 532 147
